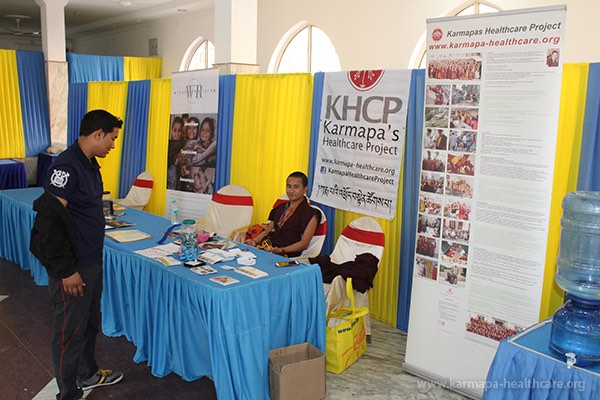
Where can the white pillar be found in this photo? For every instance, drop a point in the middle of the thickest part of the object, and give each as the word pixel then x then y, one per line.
pixel 235 36
pixel 53 44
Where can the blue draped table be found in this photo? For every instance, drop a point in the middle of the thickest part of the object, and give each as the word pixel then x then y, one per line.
pixel 524 368
pixel 12 174
pixel 43 164
pixel 182 322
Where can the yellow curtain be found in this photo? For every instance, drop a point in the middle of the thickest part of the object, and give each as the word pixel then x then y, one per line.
pixel 566 168
pixel 141 68
pixel 158 141
pixel 383 297
pixel 112 97
pixel 12 137
pixel 271 134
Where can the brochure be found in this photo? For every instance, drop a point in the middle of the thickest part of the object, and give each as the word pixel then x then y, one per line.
pixel 118 224
pixel 128 235
pixel 251 272
pixel 204 270
pixel 224 280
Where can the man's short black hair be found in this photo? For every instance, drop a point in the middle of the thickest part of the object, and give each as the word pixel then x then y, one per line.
pixel 99 119
pixel 300 175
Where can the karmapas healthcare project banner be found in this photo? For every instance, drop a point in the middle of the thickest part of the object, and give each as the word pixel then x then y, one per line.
pixel 192 141
pixel 361 140
pixel 491 119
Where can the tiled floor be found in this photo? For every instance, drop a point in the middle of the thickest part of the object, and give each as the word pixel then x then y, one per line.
pixel 26 365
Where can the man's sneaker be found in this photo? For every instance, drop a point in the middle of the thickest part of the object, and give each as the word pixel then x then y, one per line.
pixel 103 377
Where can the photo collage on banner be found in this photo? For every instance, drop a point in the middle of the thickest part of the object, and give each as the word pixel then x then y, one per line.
pixel 192 149
pixel 492 97
pixel 361 141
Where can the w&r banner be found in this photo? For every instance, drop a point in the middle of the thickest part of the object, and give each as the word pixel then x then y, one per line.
pixel 361 140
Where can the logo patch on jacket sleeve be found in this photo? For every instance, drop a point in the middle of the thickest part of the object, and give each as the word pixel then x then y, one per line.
pixel 59 178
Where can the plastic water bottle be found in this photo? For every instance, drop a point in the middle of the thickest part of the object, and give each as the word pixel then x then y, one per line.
pixel 174 212
pixel 578 261
pixel 189 241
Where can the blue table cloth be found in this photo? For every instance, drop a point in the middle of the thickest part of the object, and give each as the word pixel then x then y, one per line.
pixel 184 323
pixel 12 174
pixel 524 368
pixel 43 164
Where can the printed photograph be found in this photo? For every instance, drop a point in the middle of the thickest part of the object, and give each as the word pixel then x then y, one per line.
pixel 437 95
pixel 456 253
pixel 435 139
pixel 456 230
pixel 426 268
pixel 430 204
pixel 463 164
pixel 464 67
pixel 491 327
pixel 427 246
pixel 464 118
pixel 459 186
pixel 465 95
pixel 460 209
pixel 430 226
pixel 432 182
pixel 452 275
pixel 463 141
pixel 434 161
pixel 552 57
pixel 436 117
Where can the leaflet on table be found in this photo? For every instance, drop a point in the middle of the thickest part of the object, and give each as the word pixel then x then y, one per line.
pixel 117 223
pixel 204 270
pixel 128 235
pixel 223 244
pixel 251 272
pixel 224 280
pixel 160 255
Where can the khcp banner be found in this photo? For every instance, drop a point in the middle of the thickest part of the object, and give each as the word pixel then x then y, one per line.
pixel 192 141
pixel 361 140
pixel 492 96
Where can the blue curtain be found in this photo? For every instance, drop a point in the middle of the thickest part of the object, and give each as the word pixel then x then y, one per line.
pixel 312 159
pixel 589 165
pixel 34 101
pixel 135 134
pixel 87 68
pixel 224 130
pixel 78 93
pixel 410 196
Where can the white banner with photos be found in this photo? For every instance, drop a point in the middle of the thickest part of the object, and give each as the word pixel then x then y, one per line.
pixel 191 163
pixel 361 140
pixel 492 95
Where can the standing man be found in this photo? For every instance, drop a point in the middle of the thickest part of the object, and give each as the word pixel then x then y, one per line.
pixel 68 238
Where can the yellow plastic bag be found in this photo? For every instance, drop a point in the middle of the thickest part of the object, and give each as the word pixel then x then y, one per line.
pixel 346 341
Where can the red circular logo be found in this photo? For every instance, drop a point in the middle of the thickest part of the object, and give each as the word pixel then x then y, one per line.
pixel 365 80
pixel 437 34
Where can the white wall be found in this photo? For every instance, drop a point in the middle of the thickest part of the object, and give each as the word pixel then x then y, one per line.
pixel 367 34
pixel 174 35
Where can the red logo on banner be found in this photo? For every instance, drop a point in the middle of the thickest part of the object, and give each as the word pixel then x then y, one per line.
pixel 365 80
pixel 436 34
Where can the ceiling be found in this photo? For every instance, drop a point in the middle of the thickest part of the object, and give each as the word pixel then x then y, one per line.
pixel 84 17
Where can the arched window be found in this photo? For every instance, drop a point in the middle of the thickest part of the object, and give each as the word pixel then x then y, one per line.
pixel 304 48
pixel 199 55
pixel 471 7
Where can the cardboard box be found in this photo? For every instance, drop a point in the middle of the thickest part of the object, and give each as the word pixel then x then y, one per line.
pixel 297 373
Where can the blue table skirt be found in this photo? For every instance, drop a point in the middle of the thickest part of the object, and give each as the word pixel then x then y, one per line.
pixel 184 323
pixel 12 175
pixel 524 368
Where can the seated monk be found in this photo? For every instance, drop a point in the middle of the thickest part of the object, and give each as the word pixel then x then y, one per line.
pixel 292 224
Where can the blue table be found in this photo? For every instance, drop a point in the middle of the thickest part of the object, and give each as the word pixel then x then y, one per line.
pixel 12 174
pixel 184 323
pixel 524 368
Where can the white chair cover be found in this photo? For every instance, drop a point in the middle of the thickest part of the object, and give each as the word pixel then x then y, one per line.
pixel 140 192
pixel 230 209
pixel 363 235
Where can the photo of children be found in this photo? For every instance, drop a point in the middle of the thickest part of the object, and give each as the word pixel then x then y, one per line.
pixel 464 118
pixel 455 252
pixel 438 95
pixel 456 230
pixel 429 204
pixel 464 67
pixel 465 95
pixel 192 153
pixel 436 117
pixel 459 209
pixel 432 182
pixel 426 268
pixel 427 246
pixel 434 161
pixel 460 140
pixel 490 327
pixel 461 164
pixel 457 185
pixel 429 226
pixel 453 275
